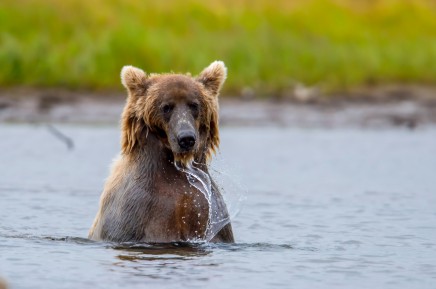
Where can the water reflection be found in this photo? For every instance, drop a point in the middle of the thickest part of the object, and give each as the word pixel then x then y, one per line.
pixel 160 251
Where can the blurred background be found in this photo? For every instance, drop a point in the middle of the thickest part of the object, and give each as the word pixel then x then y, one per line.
pixel 270 47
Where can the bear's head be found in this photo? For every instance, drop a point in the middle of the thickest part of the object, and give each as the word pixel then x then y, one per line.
pixel 180 110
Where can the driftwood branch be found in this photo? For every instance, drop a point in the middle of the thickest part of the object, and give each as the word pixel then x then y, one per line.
pixel 60 136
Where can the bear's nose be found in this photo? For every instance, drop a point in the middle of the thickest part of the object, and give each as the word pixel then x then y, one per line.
pixel 186 140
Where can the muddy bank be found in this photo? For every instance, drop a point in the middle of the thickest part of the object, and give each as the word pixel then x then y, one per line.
pixel 411 107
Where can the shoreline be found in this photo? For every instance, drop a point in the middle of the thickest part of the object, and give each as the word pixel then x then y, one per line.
pixel 376 108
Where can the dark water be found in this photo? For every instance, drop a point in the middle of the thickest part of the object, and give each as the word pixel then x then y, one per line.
pixel 338 208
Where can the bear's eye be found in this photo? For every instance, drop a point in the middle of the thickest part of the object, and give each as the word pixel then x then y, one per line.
pixel 167 108
pixel 193 106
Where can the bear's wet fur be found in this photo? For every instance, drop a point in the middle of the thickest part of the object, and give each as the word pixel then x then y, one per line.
pixel 168 119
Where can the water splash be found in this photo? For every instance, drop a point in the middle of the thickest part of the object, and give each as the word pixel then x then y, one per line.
pixel 218 216
pixel 226 176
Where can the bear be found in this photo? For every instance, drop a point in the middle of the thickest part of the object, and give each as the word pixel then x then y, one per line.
pixel 169 126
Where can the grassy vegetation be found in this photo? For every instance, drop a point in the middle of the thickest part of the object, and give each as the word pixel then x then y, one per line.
pixel 267 45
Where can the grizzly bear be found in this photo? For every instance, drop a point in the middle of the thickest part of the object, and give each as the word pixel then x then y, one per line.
pixel 169 131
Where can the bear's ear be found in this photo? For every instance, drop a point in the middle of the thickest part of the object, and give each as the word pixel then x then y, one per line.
pixel 134 79
pixel 213 76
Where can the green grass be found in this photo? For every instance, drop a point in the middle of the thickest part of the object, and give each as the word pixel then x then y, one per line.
pixel 267 45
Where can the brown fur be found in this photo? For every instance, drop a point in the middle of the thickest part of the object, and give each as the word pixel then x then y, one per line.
pixel 3 284
pixel 145 197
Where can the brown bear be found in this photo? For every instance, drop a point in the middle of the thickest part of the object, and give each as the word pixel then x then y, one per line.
pixel 169 127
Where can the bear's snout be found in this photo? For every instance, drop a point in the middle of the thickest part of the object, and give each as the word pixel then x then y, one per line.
pixel 186 139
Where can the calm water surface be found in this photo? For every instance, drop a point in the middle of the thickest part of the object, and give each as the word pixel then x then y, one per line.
pixel 324 208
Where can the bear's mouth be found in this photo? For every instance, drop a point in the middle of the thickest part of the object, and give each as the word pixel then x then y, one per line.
pixel 183 159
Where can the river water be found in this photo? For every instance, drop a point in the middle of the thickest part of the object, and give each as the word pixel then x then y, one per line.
pixel 323 208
